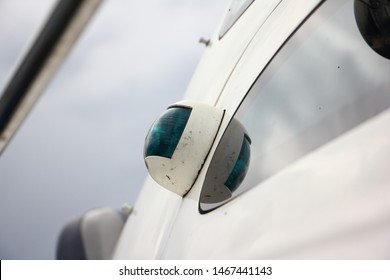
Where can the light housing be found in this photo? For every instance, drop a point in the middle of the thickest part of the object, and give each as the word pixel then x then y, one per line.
pixel 178 143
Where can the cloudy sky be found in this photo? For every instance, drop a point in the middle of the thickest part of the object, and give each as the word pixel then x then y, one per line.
pixel 81 146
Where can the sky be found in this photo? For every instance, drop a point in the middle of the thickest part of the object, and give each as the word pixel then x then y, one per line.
pixel 81 146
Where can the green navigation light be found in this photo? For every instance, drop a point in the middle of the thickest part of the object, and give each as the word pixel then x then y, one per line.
pixel 165 133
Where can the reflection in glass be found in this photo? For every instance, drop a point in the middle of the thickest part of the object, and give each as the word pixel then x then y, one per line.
pixel 240 168
pixel 324 82
pixel 228 167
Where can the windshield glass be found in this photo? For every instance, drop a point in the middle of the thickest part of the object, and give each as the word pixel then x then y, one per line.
pixel 325 81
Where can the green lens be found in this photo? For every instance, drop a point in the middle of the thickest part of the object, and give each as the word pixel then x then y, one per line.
pixel 165 133
pixel 241 167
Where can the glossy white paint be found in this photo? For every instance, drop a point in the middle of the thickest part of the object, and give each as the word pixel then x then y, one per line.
pixel 308 210
pixel 331 203
pixel 146 231
pixel 101 228
pixel 221 57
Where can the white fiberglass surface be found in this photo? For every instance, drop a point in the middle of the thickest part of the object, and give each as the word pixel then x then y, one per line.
pixel 324 81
